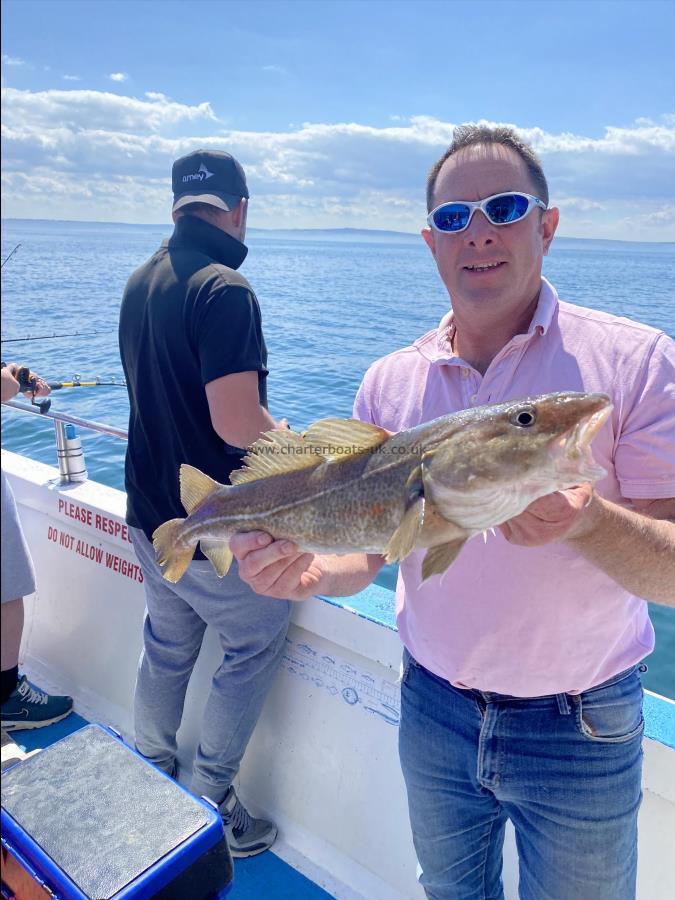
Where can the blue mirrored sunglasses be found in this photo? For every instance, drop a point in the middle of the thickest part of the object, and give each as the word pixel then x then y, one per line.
pixel 500 209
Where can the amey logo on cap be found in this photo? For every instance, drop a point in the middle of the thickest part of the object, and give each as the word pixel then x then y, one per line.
pixel 201 174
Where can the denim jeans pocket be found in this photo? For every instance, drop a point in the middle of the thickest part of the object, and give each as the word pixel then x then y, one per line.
pixel 407 662
pixel 611 714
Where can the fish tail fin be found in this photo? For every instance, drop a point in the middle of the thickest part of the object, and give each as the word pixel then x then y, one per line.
pixel 194 486
pixel 172 555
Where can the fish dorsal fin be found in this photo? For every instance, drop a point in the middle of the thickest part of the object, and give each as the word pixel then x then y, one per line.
pixel 194 487
pixel 276 452
pixel 338 438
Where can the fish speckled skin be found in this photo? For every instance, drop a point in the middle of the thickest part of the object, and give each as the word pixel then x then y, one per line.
pixel 345 486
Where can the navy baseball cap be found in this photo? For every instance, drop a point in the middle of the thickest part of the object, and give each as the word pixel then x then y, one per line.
pixel 208 176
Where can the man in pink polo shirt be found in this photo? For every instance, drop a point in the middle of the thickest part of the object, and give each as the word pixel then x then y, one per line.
pixel 521 695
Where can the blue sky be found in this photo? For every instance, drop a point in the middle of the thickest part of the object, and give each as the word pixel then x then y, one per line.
pixel 337 110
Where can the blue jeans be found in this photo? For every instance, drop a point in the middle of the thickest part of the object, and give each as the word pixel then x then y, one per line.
pixel 252 633
pixel 565 769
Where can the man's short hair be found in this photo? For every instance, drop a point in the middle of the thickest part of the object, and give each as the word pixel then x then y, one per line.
pixel 204 210
pixel 472 135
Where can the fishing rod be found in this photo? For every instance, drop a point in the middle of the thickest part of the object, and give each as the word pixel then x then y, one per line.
pixel 77 382
pixel 49 337
pixel 28 385
pixel 7 259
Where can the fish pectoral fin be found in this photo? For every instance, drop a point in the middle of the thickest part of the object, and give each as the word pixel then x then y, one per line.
pixel 436 529
pixel 194 487
pixel 438 559
pixel 415 482
pixel 276 452
pixel 220 555
pixel 338 438
pixel 404 538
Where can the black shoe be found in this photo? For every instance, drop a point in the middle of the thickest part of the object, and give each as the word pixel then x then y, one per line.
pixel 246 836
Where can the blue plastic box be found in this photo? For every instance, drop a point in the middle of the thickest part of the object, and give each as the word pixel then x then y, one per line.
pixel 91 819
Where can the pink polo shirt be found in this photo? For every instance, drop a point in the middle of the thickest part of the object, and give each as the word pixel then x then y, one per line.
pixel 534 621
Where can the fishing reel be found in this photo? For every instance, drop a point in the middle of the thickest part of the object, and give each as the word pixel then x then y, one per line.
pixel 28 385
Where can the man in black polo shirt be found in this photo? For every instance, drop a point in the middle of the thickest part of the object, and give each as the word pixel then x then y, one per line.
pixel 195 362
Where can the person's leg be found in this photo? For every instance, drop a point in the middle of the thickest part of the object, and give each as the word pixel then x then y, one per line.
pixel 457 825
pixel 12 629
pixel 570 781
pixel 252 632
pixel 18 580
pixel 23 705
pixel 172 637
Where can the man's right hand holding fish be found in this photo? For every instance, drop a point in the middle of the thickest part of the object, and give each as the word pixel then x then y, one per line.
pixel 279 569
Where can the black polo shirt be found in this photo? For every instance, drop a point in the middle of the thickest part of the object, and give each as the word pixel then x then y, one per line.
pixel 187 318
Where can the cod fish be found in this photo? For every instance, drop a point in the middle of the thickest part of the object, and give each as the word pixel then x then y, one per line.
pixel 344 486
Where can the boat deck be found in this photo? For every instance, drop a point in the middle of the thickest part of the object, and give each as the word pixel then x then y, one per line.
pixel 265 876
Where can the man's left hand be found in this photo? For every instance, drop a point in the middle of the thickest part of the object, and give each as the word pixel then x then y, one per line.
pixel 555 517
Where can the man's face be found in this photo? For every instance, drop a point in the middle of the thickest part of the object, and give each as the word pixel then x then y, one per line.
pixel 509 287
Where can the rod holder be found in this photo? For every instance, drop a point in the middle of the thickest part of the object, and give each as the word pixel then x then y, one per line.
pixel 69 453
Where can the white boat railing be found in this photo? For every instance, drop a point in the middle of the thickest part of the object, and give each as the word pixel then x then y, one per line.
pixel 69 452
pixel 66 418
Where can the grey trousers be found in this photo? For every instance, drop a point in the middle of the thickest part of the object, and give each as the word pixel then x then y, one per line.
pixel 252 632
pixel 18 577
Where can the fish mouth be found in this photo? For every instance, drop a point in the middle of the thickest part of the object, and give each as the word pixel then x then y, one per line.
pixel 575 446
pixel 587 428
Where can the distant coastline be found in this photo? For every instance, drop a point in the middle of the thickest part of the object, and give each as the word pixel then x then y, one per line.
pixel 333 234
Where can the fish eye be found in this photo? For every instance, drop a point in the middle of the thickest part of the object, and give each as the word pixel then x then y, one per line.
pixel 525 417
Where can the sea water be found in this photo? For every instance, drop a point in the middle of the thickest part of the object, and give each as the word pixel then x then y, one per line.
pixel 331 304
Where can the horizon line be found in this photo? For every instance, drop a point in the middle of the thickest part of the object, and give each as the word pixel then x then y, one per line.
pixel 316 229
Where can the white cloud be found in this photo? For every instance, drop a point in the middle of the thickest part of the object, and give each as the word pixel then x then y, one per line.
pixel 118 76
pixel 276 70
pixel 71 77
pixel 46 114
pixel 659 217
pixel 582 203
pixel 114 153
pixel 12 60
